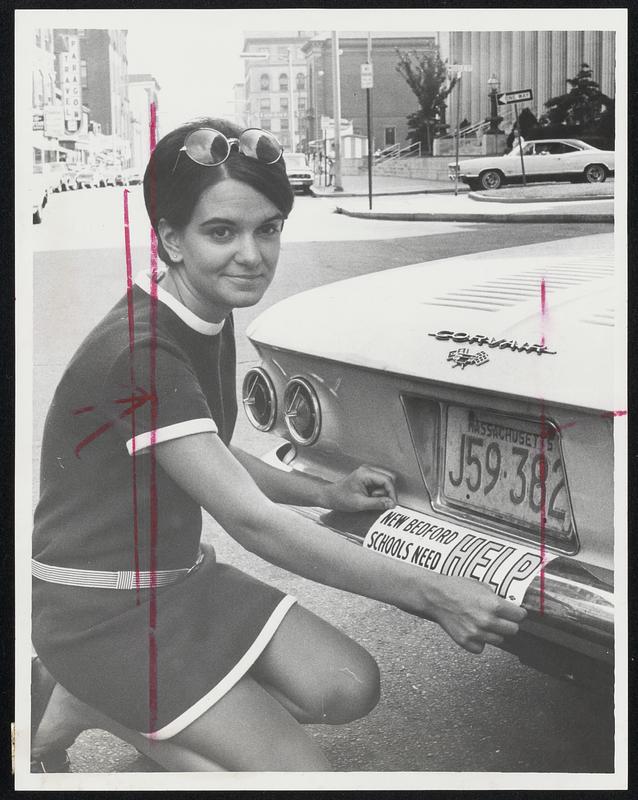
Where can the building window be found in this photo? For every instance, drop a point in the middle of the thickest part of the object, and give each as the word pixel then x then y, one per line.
pixel 284 123
pixel 264 103
pixel 301 81
pixel 390 136
pixel 283 104
pixel 264 82
pixel 302 104
pixel 282 52
pixel 283 82
pixel 265 123
pixel 84 80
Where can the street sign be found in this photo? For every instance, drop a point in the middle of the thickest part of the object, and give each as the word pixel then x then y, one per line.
pixel 366 76
pixel 38 122
pixel 514 97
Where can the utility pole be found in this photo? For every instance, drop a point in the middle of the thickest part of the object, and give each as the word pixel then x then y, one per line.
pixel 336 109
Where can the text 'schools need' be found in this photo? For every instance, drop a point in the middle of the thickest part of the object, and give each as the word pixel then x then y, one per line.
pixel 450 549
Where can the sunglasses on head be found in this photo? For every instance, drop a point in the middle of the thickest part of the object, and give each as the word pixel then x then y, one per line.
pixel 210 148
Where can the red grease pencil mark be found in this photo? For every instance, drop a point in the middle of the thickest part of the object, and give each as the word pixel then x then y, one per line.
pixel 83 410
pixel 131 350
pixel 91 437
pixel 152 642
pixel 608 414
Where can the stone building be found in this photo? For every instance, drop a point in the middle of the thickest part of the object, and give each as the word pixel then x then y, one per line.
pixel 275 84
pixel 392 98
pixel 143 92
pixel 538 60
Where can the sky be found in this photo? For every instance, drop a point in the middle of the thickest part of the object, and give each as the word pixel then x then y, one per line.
pixel 196 66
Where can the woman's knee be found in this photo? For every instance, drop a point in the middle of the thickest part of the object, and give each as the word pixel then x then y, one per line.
pixel 353 690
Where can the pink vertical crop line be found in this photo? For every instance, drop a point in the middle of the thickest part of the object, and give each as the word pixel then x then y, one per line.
pixel 542 463
pixel 153 676
pixel 133 383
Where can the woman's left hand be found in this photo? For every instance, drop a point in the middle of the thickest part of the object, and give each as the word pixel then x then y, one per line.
pixel 365 489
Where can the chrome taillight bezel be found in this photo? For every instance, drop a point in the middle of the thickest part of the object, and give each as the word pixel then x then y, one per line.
pixel 257 374
pixel 293 387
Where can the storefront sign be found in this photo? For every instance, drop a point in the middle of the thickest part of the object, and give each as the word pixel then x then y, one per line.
pixel 71 84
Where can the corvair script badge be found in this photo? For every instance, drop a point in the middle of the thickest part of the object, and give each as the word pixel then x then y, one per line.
pixel 463 358
pixel 485 341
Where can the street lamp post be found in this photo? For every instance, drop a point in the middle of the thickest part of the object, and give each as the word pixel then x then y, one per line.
pixel 494 138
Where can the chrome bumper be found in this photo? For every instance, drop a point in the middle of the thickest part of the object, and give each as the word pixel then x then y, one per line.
pixel 570 620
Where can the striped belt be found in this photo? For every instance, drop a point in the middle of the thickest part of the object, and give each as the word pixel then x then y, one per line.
pixel 100 579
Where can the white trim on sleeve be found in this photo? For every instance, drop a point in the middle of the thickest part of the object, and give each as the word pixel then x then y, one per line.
pixel 144 440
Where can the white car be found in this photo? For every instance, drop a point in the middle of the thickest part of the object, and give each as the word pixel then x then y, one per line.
pixel 299 173
pixel 544 160
pixel 484 383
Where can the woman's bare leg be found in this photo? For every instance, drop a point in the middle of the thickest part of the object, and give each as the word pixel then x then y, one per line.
pixel 66 717
pixel 249 730
pixel 317 672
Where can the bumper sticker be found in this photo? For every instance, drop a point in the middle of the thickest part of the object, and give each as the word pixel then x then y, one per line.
pixel 506 567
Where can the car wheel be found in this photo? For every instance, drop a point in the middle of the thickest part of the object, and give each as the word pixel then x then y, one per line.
pixel 37 217
pixel 595 173
pixel 491 179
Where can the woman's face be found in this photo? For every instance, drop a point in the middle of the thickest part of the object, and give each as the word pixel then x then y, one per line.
pixel 226 256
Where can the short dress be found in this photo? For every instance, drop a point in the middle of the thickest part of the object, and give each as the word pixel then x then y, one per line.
pixel 152 659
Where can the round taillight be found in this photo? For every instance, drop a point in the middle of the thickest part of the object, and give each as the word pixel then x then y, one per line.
pixel 259 399
pixel 301 411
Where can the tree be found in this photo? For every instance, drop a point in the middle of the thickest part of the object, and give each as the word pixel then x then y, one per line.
pixel 583 104
pixel 427 75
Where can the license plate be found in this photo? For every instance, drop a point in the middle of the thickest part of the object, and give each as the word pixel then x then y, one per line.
pixel 508 470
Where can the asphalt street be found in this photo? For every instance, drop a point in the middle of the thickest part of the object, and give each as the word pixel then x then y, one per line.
pixel 441 709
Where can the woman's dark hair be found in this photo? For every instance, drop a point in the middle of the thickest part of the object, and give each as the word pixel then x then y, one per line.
pixel 173 182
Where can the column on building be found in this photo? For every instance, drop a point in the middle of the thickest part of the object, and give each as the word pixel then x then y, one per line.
pixel 543 71
pixel 530 59
pixel 515 81
pixel 484 75
pixel 466 81
pixel 592 49
pixel 608 63
pixel 559 63
pixel 475 77
pixel 574 52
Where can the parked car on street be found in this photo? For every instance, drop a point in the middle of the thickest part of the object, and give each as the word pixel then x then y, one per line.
pixel 67 181
pixel 484 383
pixel 133 176
pixel 39 195
pixel 87 178
pixel 544 160
pixel 299 173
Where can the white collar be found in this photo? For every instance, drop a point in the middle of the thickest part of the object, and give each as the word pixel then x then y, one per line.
pixel 143 280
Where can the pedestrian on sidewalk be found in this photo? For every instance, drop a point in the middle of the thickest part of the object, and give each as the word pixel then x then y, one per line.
pixel 331 171
pixel 138 628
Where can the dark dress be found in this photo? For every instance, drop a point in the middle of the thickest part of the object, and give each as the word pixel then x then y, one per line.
pixel 106 504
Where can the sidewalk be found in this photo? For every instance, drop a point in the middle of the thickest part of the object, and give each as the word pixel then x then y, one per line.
pixel 418 200
pixel 356 185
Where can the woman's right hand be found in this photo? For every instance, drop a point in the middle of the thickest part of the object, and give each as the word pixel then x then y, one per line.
pixel 471 613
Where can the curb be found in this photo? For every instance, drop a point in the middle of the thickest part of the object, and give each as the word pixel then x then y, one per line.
pixel 443 217
pixel 383 194
pixel 563 199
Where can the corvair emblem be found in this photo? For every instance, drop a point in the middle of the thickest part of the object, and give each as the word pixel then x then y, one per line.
pixel 486 341
pixel 463 358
